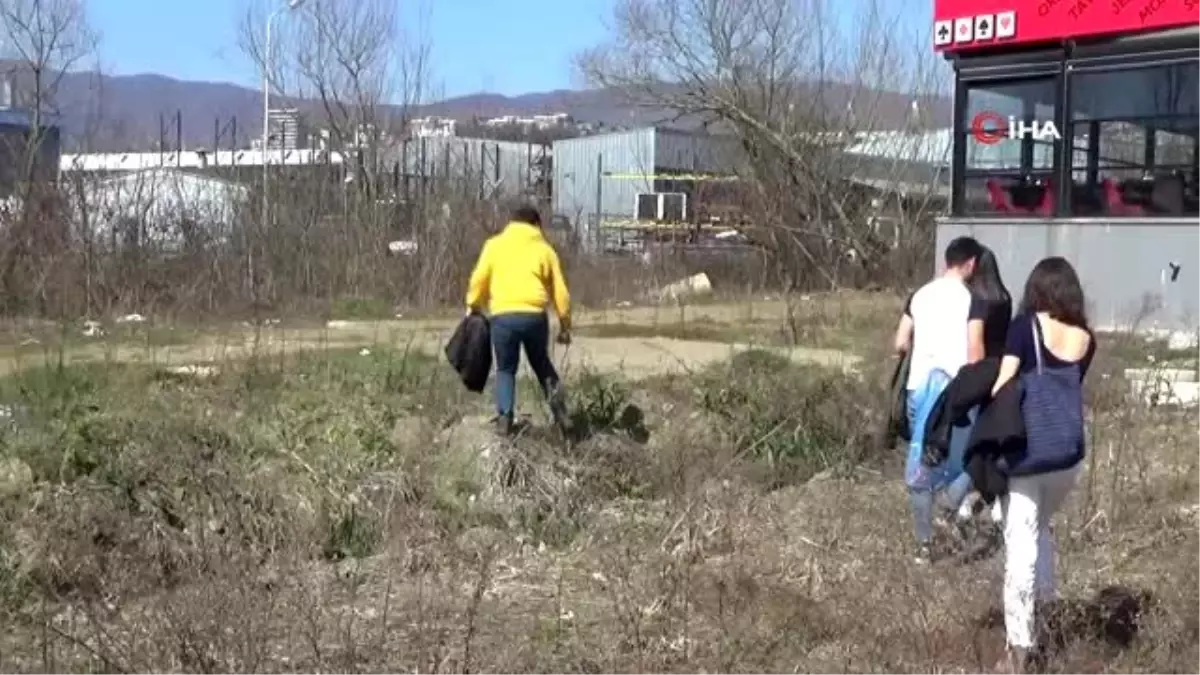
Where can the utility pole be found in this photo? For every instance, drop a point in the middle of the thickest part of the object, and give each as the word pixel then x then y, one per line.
pixel 266 131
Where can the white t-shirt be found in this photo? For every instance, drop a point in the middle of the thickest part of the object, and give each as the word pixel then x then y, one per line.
pixel 939 310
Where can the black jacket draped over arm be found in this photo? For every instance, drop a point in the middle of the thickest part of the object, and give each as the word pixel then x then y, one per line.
pixel 998 432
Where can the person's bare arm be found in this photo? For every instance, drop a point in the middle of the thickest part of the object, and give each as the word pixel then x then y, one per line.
pixel 902 341
pixel 975 349
pixel 1008 368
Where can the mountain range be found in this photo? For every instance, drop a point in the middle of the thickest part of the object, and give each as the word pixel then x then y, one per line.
pixel 139 112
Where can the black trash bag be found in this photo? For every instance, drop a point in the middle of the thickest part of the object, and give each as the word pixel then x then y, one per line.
pixel 469 351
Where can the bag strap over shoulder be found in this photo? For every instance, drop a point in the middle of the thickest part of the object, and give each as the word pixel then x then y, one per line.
pixel 1036 328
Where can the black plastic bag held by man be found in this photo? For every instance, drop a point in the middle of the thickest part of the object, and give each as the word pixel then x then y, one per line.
pixel 895 426
pixel 469 351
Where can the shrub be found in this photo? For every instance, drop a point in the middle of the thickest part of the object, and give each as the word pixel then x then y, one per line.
pixel 796 420
pixel 357 308
pixel 600 403
pixel 155 475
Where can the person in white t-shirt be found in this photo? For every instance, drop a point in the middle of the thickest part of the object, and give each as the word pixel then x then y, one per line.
pixel 933 329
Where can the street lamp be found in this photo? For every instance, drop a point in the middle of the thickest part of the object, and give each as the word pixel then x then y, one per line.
pixel 266 130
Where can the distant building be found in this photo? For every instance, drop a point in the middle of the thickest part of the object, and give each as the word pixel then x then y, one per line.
pixel 285 129
pixel 610 176
pixel 121 162
pixel 163 207
pixel 429 127
pixel 552 121
pixel 494 167
pixel 18 141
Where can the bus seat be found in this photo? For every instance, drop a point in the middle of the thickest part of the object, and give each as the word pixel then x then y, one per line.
pixel 1046 206
pixel 998 198
pixel 1168 194
pixel 1115 203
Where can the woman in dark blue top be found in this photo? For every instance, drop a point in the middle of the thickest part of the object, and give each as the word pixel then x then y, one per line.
pixel 1049 347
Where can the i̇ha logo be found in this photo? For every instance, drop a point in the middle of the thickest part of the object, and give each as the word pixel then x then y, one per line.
pixel 990 127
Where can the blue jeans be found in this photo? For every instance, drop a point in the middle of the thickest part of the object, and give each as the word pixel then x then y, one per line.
pixel 511 332
pixel 923 501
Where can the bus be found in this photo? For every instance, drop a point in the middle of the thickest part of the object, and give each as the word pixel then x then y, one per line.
pixel 1075 134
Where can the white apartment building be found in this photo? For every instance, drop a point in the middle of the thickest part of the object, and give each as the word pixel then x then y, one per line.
pixel 426 127
pixel 551 121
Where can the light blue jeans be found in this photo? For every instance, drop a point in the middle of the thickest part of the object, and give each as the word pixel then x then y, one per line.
pixel 923 501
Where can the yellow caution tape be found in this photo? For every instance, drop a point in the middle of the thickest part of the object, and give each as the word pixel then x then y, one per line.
pixel 654 225
pixel 671 176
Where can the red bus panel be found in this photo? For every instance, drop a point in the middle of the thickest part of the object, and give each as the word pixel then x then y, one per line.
pixel 967 24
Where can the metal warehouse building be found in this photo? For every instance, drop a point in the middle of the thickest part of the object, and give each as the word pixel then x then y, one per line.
pixel 504 167
pixel 600 176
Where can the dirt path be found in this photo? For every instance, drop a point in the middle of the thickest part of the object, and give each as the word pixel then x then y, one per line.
pixel 634 357
pixel 645 357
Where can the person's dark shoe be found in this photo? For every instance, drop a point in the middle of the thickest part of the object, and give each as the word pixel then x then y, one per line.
pixel 557 399
pixel 504 426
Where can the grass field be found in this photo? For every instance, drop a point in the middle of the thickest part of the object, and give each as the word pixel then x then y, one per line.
pixel 326 498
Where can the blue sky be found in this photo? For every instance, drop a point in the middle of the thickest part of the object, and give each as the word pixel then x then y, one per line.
pixel 504 46
pixel 473 40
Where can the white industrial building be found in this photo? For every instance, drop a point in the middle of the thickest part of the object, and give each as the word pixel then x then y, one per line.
pixel 423 127
pixel 161 207
pixel 193 159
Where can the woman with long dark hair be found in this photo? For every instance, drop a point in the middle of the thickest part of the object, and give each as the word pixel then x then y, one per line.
pixel 1049 347
pixel 988 327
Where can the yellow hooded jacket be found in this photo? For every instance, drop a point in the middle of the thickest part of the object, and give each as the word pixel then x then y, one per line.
pixel 518 272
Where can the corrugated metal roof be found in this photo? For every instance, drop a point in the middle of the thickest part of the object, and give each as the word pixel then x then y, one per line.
pixel 935 147
pixel 23 117
pixel 159 174
pixel 931 189
pixel 193 159
pixel 930 147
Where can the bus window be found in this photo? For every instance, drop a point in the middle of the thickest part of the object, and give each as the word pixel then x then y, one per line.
pixel 1009 172
pixel 1134 141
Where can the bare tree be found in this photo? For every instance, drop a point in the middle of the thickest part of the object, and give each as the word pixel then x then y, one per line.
pixel 354 60
pixel 794 85
pixel 41 41
pixel 355 69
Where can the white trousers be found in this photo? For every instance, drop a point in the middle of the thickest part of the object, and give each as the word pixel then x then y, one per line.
pixel 967 510
pixel 1029 548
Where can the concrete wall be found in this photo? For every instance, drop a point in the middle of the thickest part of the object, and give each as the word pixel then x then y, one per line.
pixel 1123 264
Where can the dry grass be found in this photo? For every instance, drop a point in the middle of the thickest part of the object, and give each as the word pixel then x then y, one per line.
pixel 335 510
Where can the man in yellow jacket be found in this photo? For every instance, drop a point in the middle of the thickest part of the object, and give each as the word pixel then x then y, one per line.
pixel 517 277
